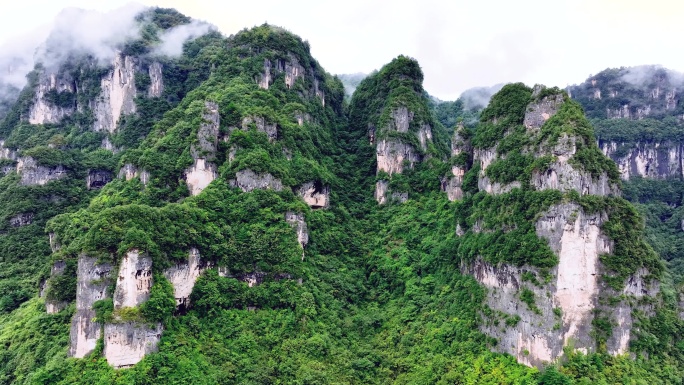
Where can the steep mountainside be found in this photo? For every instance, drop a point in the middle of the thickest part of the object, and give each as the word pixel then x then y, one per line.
pixel 639 120
pixel 226 216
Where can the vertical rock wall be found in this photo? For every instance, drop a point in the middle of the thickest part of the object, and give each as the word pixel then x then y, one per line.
pixel 117 94
pixel 32 174
pixel 92 281
pixel 567 305
pixel 202 172
pixel 183 276
pixel 125 344
pixel 43 111
pixel 134 280
pixel 652 160
pixel 156 87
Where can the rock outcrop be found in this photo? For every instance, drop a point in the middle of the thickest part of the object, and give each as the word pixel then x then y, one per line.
pixel 298 223
pixel 7 153
pixel 156 87
pixel 129 171
pixel 93 278
pixel 127 342
pixel 117 94
pixel 202 172
pixel 292 70
pixel 315 194
pixel 560 173
pixel 393 154
pixel 53 306
pixel 22 219
pixel 261 125
pixel 655 160
pixel 44 110
pixel 33 174
pixel 564 308
pixel 460 146
pixel 248 180
pixel 134 280
pixel 98 178
pixel 182 277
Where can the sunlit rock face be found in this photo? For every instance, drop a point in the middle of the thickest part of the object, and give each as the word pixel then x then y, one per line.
pixel 117 95
pixel 93 278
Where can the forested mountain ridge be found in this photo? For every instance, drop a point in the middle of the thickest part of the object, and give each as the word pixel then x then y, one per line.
pixel 225 216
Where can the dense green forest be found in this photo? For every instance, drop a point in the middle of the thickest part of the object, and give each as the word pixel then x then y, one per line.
pixel 378 296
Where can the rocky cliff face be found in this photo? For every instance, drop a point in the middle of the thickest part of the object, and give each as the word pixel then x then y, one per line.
pixel 134 280
pixel 298 223
pixel 93 278
pixel 98 178
pixel 117 94
pixel 315 194
pixel 44 110
pixel 129 171
pixel 460 148
pixel 653 160
pixel 292 70
pixel 248 180
pixel 393 154
pixel 33 174
pixel 203 172
pixel 54 306
pixel 156 87
pixel 183 276
pixel 565 307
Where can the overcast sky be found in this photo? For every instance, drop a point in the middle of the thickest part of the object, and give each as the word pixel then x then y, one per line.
pixel 459 44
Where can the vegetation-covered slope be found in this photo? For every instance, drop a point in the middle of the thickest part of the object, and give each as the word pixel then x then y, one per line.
pixel 379 294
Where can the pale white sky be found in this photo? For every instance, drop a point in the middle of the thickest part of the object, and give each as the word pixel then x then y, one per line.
pixel 459 44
